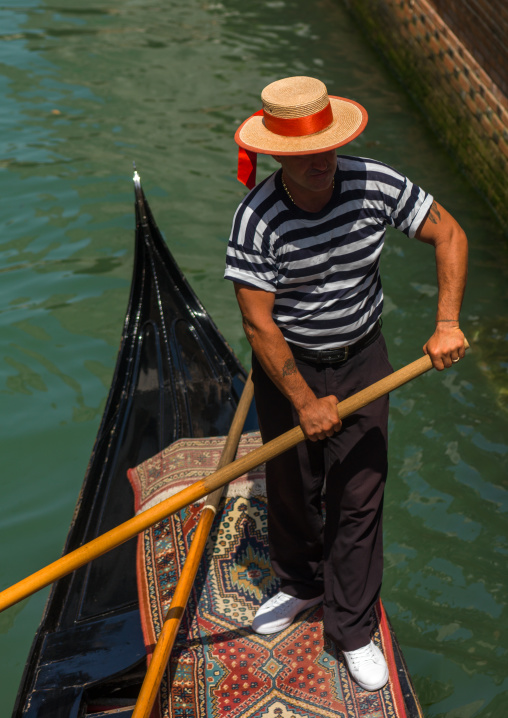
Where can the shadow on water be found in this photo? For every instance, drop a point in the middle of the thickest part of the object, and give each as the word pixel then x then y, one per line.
pixel 85 92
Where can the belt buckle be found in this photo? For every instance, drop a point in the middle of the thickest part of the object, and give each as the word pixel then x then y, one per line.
pixel 346 353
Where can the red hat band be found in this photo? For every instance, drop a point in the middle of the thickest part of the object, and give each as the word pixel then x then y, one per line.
pixel 299 126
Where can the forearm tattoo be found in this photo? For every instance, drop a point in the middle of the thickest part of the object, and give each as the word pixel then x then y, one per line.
pixel 434 214
pixel 289 367
pixel 248 328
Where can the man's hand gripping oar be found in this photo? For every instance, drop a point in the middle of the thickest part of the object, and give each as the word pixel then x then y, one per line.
pixel 113 538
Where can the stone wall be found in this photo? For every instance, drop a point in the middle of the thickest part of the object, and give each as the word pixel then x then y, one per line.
pixel 482 26
pixel 450 56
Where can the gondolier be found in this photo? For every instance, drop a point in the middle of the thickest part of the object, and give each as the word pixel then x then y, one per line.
pixel 304 257
pixel 87 654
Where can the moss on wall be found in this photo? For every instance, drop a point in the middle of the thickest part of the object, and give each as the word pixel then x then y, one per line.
pixel 462 104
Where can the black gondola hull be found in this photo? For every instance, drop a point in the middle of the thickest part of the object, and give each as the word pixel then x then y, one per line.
pixel 175 376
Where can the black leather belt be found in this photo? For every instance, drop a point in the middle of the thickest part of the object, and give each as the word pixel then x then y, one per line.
pixel 340 354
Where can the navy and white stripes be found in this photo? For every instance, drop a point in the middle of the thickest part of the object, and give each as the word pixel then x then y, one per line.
pixel 324 267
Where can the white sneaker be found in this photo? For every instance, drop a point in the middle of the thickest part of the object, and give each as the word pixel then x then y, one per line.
pixel 279 612
pixel 368 667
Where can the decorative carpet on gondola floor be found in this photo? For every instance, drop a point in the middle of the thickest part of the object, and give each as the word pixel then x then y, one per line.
pixel 219 666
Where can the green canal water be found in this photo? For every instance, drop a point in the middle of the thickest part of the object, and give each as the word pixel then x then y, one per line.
pixel 88 88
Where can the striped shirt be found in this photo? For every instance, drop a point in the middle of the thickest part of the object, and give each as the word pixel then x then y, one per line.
pixel 324 267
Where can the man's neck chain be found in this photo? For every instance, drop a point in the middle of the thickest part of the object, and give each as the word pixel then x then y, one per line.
pixel 289 193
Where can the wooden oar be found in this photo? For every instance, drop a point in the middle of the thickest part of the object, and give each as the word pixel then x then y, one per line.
pixel 130 528
pixel 172 620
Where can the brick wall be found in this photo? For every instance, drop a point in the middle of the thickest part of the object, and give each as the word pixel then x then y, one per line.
pixel 482 26
pixel 447 71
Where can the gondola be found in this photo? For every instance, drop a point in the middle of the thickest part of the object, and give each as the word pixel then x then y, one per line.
pixel 175 377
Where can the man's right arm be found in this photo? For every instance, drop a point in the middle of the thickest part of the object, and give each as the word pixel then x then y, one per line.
pixel 318 417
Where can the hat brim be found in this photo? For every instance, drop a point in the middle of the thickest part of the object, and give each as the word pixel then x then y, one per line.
pixel 349 121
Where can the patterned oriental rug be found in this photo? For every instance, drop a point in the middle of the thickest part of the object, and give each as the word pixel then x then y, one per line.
pixel 219 666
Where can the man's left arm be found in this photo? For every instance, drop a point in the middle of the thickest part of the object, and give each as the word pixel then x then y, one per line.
pixel 449 240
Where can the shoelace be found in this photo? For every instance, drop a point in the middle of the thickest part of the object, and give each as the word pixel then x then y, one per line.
pixel 280 599
pixel 362 655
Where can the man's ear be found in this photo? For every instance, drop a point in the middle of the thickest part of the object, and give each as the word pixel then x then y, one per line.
pixel 277 158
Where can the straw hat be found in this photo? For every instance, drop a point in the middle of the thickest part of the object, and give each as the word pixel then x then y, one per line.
pixel 298 118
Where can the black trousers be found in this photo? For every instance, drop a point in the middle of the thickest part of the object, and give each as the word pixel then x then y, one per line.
pixel 342 554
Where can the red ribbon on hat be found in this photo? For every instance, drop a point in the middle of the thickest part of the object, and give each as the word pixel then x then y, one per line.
pixel 247 163
pixel 300 126
pixel 287 127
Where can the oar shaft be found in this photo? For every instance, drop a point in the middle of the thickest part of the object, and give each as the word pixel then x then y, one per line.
pixel 113 538
pixel 173 618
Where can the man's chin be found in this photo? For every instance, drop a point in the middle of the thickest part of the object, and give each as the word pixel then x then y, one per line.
pixel 321 183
